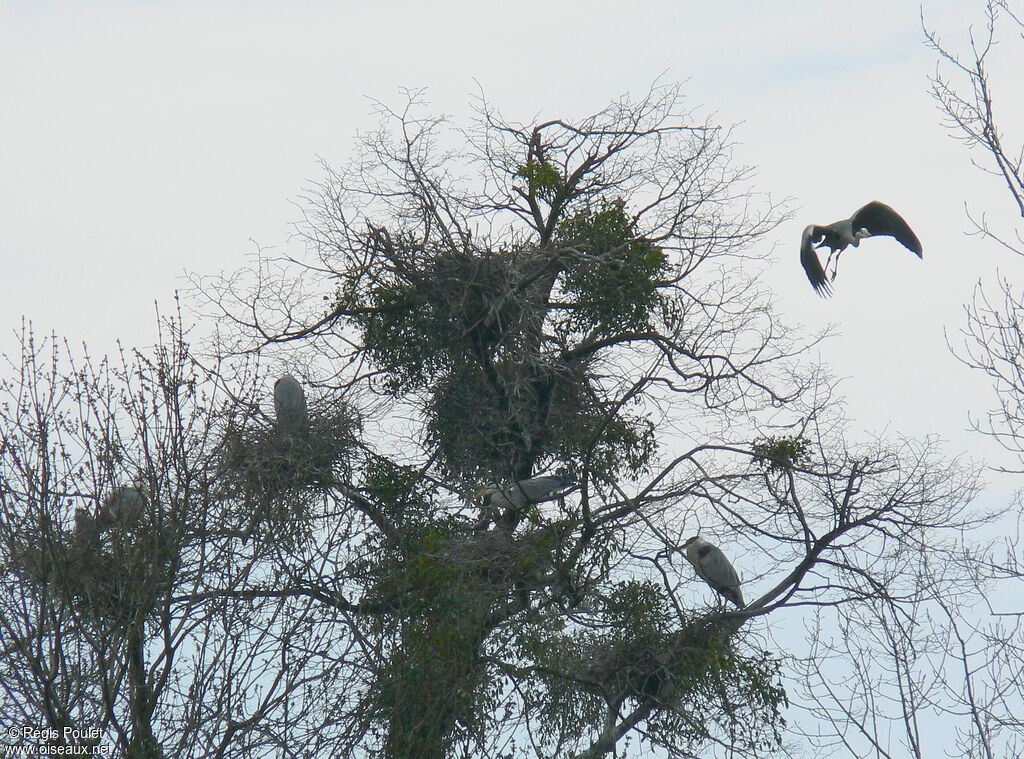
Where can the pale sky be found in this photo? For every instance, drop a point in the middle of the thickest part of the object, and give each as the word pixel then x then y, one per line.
pixel 141 139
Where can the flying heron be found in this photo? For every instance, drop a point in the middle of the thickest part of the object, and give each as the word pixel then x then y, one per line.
pixel 872 220
pixel 290 406
pixel 714 568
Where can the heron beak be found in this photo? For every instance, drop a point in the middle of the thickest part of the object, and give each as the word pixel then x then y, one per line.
pixel 479 494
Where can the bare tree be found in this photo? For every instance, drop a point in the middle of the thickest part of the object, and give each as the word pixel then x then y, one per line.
pixel 110 633
pixel 993 340
pixel 947 664
pixel 963 89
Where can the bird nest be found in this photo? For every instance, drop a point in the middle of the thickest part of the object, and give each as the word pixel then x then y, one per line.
pixel 114 574
pixel 272 480
pixel 632 668
pixel 439 566
pixel 663 664
pixel 488 560
pixel 418 326
pixel 501 557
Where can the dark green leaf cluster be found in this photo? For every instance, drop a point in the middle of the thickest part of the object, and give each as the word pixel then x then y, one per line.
pixel 434 685
pixel 558 693
pixel 440 585
pixel 483 422
pixel 613 273
pixel 643 652
pixel 399 490
pixel 782 453
pixel 543 180
pixel 467 328
pixel 412 578
pixel 455 308
pixel 577 672
pixel 639 610
pixel 718 692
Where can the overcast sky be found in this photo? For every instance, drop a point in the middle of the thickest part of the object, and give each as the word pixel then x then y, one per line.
pixel 141 139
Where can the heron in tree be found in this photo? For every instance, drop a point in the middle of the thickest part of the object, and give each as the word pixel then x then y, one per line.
pixel 872 220
pixel 123 507
pixel 290 406
pixel 87 534
pixel 714 568
pixel 514 498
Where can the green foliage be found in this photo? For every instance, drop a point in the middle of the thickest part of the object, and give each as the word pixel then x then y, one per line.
pixel 640 651
pixel 455 308
pixel 403 336
pixel 782 453
pixel 613 285
pixel 556 696
pixel 434 687
pixel 616 443
pixel 543 179
pixel 484 423
pixel 640 610
pixel 721 692
pixel 413 576
pixel 462 328
pixel 400 490
pixel 440 585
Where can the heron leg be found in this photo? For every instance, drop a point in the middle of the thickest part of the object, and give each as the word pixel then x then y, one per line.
pixel 828 261
pixel 835 271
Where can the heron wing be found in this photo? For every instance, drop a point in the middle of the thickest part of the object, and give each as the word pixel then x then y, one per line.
pixel 538 488
pixel 718 568
pixel 810 261
pixel 719 573
pixel 879 219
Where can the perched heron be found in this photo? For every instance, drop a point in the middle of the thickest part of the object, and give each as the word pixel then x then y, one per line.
pixel 84 523
pixel 522 493
pixel 290 406
pixel 123 506
pixel 513 499
pixel 872 220
pixel 714 568
pixel 86 535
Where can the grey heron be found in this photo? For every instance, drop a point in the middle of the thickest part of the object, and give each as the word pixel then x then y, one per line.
pixel 84 523
pixel 714 568
pixel 290 406
pixel 86 535
pixel 514 498
pixel 522 493
pixel 869 221
pixel 123 506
